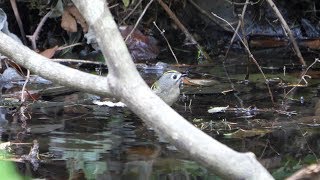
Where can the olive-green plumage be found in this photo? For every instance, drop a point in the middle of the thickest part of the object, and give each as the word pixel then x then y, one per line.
pixel 168 86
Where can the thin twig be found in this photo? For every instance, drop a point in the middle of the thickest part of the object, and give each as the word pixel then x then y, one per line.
pixel 33 39
pixel 208 15
pixel 69 46
pixel 244 37
pixel 22 97
pixel 35 35
pixel 162 34
pixel 250 55
pixel 308 145
pixel 302 76
pixel 237 29
pixel 17 15
pixel 78 61
pixel 288 31
pixel 23 108
pixel 246 3
pixel 112 6
pixel 130 13
pixel 188 35
pixel 236 93
pixel 232 39
pixel 138 21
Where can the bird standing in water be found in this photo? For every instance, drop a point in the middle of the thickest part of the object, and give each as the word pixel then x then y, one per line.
pixel 168 86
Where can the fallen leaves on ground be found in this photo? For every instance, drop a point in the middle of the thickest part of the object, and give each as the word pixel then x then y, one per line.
pixel 200 82
pixel 49 53
pixel 70 17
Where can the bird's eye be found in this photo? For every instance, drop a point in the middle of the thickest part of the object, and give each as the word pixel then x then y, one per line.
pixel 174 76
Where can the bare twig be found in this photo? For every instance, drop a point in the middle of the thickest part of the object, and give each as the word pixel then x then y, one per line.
pixel 23 98
pixel 288 31
pixel 308 145
pixel 303 75
pixel 188 35
pixel 238 27
pixel 17 15
pixel 162 34
pixel 236 94
pixel 251 56
pixel 78 61
pixel 208 15
pixel 129 14
pixel 33 39
pixel 35 35
pixel 69 46
pixel 246 3
pixel 138 21
pixel 114 5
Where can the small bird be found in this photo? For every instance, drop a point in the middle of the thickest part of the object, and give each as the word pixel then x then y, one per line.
pixel 168 86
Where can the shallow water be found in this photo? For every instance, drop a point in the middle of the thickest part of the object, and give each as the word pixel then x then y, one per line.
pixel 81 140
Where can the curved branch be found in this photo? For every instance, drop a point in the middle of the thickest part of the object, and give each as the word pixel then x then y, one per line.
pixel 126 83
pixel 52 70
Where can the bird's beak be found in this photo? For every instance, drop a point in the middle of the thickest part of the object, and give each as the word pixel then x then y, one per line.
pixel 181 80
pixel 182 76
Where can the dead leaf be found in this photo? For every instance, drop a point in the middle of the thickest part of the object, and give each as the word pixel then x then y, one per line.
pixel 141 46
pixel 68 23
pixel 49 53
pixel 241 133
pixel 70 17
pixel 217 109
pixel 200 82
pixel 227 91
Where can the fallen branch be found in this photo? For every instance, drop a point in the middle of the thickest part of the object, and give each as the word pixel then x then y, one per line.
pixel 51 70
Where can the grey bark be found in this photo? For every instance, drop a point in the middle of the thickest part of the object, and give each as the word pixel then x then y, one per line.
pixel 124 82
